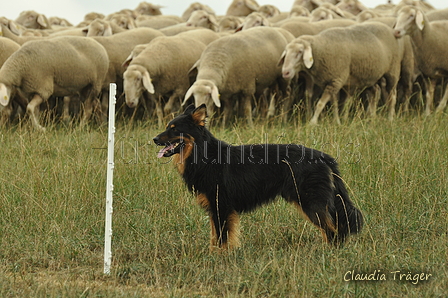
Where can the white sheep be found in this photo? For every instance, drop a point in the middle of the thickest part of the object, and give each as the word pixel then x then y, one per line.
pixel 352 6
pixel 157 22
pixel 229 23
pixel 298 28
pixel 7 48
pixel 366 53
pixel 430 43
pixel 254 19
pixel 196 6
pixel 145 8
pixel 59 66
pixel 6 32
pixel 162 70
pixel 118 47
pixel 329 12
pixel 242 8
pixel 242 64
pixel 308 4
pixel 100 27
pixel 269 10
pixel 201 18
pixel 33 20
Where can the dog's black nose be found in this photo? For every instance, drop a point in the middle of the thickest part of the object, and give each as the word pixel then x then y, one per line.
pixel 156 140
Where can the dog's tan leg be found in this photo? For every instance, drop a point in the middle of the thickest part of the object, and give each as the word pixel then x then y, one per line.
pixel 226 236
pixel 322 220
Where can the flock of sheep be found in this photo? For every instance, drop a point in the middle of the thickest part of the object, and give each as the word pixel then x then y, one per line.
pixel 252 59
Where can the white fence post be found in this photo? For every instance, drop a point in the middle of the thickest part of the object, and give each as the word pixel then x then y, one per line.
pixel 109 185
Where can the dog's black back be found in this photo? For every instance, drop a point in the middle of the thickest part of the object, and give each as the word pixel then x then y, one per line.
pixel 229 180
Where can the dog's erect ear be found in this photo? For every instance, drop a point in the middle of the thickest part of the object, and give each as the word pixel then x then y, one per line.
pixel 189 109
pixel 200 115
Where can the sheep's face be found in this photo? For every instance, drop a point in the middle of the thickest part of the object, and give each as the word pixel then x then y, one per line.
pixel 296 57
pixel 204 92
pixel 320 15
pixel 255 19
pixel 199 18
pixel 135 81
pixel 408 19
pixel 145 8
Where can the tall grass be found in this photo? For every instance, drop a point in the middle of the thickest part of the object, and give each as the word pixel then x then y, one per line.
pixel 52 196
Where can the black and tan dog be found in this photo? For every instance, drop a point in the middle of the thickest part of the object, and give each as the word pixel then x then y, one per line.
pixel 228 180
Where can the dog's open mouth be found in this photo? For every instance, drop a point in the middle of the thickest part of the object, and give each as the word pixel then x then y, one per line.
pixel 168 150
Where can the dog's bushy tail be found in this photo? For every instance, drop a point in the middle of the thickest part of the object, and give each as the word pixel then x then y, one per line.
pixel 347 218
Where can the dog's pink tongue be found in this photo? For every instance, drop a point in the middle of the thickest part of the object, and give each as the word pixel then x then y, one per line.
pixel 162 152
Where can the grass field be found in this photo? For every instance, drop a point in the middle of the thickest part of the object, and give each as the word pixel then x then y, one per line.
pixel 52 205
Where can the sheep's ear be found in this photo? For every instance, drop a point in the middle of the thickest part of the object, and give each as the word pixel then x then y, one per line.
pixel 212 20
pixel 338 11
pixel 251 4
pixel 14 28
pixel 266 22
pixel 131 24
pixel 41 21
pixel 282 59
pixel 308 59
pixel 147 82
pixel 108 31
pixel 187 95
pixel 127 61
pixel 215 96
pixel 419 20
pixel 200 115
pixel 4 95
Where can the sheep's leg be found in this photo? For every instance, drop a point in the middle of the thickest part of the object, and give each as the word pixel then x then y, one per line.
pixel 88 110
pixel 442 103
pixel 159 111
pixel 271 108
pixel 392 102
pixel 227 114
pixel 309 92
pixel 430 87
pixel 325 98
pixel 247 102
pixel 336 110
pixel 104 106
pixel 170 103
pixel 373 100
pixel 33 111
pixel 6 113
pixel 66 110
pixel 329 94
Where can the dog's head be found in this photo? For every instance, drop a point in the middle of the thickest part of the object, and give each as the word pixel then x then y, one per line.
pixel 182 131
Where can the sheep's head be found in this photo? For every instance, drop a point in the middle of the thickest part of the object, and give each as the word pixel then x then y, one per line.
pixel 5 94
pixel 255 19
pixel 268 10
pixel 406 18
pixel 242 8
pixel 98 27
pixel 296 57
pixel 201 18
pixel 136 79
pixel 145 8
pixel 204 91
pixel 352 6
pixel 321 14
